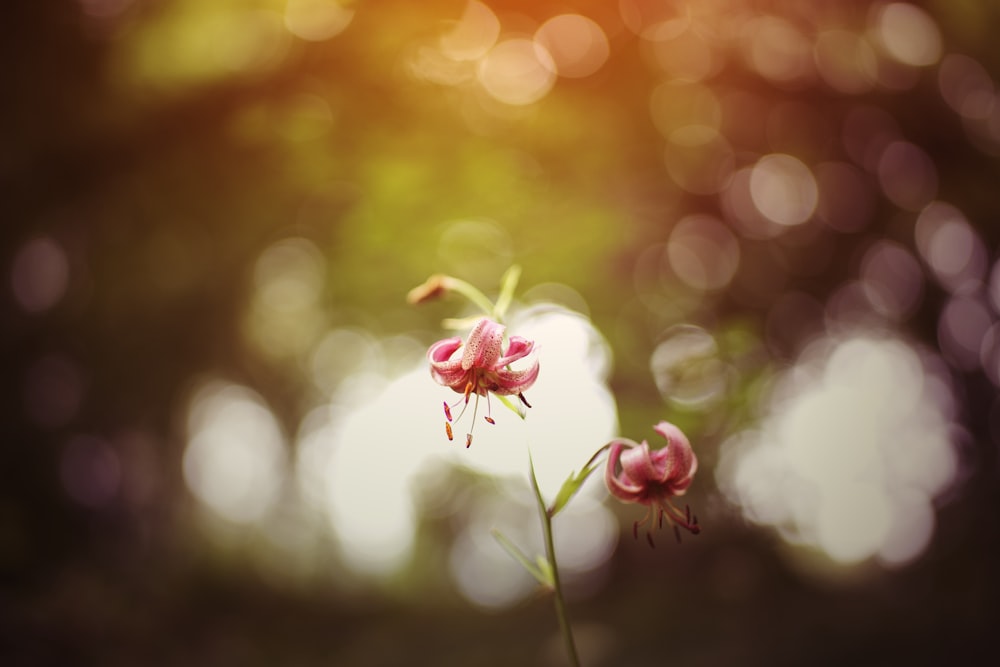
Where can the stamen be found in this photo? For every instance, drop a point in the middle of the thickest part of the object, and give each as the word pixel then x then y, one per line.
pixel 523 399
pixel 677 533
pixel 661 518
pixel 447 429
pixel 649 538
pixel 447 411
pixel 468 440
pixel 468 391
pixel 489 410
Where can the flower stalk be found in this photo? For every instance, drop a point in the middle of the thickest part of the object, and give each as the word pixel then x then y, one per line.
pixel 545 514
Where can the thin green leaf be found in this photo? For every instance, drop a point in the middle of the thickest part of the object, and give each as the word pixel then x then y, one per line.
pixel 573 483
pixel 508 283
pixel 541 573
pixel 513 407
pixel 569 489
pixel 545 567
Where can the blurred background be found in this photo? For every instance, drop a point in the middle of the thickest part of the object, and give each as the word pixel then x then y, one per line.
pixel 772 222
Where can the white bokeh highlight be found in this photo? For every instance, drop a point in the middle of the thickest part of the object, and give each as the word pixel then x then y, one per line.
pixel 360 460
pixel 235 459
pixel 853 453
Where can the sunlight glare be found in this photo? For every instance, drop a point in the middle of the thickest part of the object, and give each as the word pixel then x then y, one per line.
pixel 473 35
pixel 908 34
pixel 235 458
pixel 783 189
pixel 855 449
pixel 517 71
pixel 576 43
pixel 317 20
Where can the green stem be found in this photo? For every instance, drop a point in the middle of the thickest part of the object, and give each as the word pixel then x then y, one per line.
pixel 472 294
pixel 550 553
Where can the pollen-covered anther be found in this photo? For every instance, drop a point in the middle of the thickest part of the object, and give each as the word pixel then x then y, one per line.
pixel 447 429
pixel 447 411
pixel 468 440
pixel 489 420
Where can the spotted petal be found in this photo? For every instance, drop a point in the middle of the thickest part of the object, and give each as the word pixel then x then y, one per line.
pixel 482 349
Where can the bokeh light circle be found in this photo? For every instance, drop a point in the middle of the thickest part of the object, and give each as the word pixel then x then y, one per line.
pixel 703 252
pixel 908 34
pixel 235 457
pixel 853 452
pixel 517 71
pixel 686 367
pixel 577 45
pixel 783 189
pixel 39 274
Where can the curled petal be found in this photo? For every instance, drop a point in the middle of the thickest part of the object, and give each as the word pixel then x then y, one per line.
pixel 518 349
pixel 679 463
pixel 443 349
pixel 618 482
pixel 482 350
pixel 454 378
pixel 444 369
pixel 515 382
pixel 640 465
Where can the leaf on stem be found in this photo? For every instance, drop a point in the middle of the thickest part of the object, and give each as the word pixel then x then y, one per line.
pixel 573 483
pixel 570 488
pixel 511 405
pixel 541 570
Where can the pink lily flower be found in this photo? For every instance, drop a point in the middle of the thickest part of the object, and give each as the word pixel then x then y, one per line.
pixel 637 474
pixel 480 366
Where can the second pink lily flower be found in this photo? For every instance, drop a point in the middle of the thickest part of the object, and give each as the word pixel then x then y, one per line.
pixel 637 474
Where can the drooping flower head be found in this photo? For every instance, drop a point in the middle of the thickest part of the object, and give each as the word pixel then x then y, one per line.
pixel 479 366
pixel 637 474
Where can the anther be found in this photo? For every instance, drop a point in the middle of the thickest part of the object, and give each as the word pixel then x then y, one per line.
pixel 523 399
pixel 677 533
pixel 489 419
pixel 649 538
pixel 468 440
pixel 635 530
pixel 447 411
pixel 447 429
